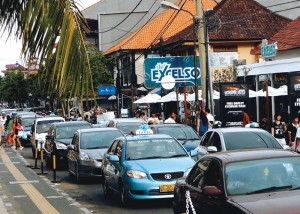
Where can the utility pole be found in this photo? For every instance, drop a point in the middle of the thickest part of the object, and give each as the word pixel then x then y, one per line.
pixel 201 48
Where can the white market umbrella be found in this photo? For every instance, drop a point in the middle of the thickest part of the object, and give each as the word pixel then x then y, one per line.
pixel 149 98
pixel 141 89
pixel 273 92
pixel 191 97
pixel 171 97
pixel 113 97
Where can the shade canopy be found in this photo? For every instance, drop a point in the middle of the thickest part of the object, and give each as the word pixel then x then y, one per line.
pixel 273 92
pixel 149 98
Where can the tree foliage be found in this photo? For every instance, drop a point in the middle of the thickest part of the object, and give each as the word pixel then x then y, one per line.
pixel 40 24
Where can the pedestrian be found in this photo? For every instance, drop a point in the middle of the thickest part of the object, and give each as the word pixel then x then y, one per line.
pixel 2 129
pixel 8 130
pixel 278 128
pixel 202 122
pixel 16 128
pixel 160 119
pixel 210 118
pixel 246 118
pixel 292 130
pixel 154 119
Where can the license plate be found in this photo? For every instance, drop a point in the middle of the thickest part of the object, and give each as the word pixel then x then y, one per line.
pixel 166 188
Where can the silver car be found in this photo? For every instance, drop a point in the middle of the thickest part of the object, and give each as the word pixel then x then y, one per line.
pixel 87 149
pixel 126 125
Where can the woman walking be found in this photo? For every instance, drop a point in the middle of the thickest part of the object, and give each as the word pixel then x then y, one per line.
pixel 278 128
pixel 8 130
pixel 292 130
pixel 16 128
pixel 202 123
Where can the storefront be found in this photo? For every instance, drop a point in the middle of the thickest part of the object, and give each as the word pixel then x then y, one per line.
pixel 274 73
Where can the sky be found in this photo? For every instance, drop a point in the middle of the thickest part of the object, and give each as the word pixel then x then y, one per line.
pixel 10 49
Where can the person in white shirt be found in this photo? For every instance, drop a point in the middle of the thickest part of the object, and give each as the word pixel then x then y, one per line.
pixel 210 118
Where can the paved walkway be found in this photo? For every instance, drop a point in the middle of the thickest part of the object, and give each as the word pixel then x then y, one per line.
pixel 23 191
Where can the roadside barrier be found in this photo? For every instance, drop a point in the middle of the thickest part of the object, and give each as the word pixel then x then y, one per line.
pixel 42 162
pixel 35 156
pixel 54 153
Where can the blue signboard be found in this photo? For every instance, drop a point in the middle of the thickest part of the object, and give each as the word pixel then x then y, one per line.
pixel 181 68
pixel 106 90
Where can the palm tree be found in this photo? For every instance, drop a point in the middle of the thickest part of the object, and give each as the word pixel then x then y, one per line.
pixel 40 23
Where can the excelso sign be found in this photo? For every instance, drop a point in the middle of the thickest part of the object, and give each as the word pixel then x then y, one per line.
pixel 268 50
pixel 180 68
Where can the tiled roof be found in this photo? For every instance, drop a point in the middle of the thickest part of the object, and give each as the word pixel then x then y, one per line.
pixel 149 34
pixel 240 20
pixel 287 38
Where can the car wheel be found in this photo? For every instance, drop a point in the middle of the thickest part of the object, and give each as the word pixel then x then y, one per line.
pixel 106 191
pixel 124 199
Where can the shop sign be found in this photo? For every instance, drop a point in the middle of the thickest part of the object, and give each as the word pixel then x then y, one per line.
pixel 180 68
pixel 263 77
pixel 294 84
pixel 233 101
pixel 297 102
pixel 106 90
pixel 280 78
pixel 268 50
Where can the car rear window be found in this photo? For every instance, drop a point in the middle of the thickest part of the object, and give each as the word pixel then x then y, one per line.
pixel 180 133
pixel 249 140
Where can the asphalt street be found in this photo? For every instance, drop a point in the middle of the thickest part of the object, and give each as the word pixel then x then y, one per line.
pixel 86 197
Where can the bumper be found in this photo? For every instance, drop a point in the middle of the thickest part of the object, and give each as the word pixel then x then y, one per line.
pixel 62 156
pixel 147 189
pixel 90 169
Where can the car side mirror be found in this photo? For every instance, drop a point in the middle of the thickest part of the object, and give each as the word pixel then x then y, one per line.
pixel 211 190
pixel 113 158
pixel 70 147
pixel 193 153
pixel 49 137
pixel 286 147
pixel 212 149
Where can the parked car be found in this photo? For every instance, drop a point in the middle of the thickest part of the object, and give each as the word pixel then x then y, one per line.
pixel 224 139
pixel 27 120
pixel 185 134
pixel 40 129
pixel 245 181
pixel 144 167
pixel 126 125
pixel 87 149
pixel 61 134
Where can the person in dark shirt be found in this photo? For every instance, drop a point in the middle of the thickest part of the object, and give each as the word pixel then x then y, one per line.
pixel 292 130
pixel 278 128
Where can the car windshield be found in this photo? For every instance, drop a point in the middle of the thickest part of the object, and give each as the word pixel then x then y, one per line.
pixel 249 140
pixel 264 175
pixel 98 140
pixel 27 122
pixel 64 132
pixel 43 126
pixel 128 127
pixel 179 132
pixel 154 149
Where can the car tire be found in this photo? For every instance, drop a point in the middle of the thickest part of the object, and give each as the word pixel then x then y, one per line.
pixel 124 199
pixel 106 191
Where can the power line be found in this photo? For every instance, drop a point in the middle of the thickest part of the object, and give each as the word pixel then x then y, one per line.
pixel 274 5
pixel 123 19
pixel 286 9
pixel 136 24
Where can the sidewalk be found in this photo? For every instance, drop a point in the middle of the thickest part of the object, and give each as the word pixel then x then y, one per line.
pixel 23 191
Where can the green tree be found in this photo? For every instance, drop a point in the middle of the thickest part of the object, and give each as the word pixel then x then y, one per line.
pixel 40 24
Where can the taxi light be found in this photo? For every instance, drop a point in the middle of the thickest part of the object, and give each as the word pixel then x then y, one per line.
pixel 144 130
pixel 136 174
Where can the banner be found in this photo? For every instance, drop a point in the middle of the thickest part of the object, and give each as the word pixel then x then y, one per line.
pixel 180 68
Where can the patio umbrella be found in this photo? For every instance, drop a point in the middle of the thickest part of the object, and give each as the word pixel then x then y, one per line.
pixel 273 92
pixel 171 97
pixel 113 97
pixel 149 98
pixel 141 89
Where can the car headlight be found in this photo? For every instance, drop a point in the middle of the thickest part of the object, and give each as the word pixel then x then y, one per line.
pixel 84 157
pixel 61 146
pixel 136 174
pixel 188 171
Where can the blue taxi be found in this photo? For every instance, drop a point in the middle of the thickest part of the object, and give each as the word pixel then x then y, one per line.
pixel 144 167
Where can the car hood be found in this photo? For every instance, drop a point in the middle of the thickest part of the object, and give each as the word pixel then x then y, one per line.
pixel 66 141
pixel 270 203
pixel 95 153
pixel 161 165
pixel 190 144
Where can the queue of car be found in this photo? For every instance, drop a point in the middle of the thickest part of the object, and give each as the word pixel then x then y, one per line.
pixel 238 170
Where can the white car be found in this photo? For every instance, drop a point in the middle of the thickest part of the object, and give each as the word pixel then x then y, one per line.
pixel 40 129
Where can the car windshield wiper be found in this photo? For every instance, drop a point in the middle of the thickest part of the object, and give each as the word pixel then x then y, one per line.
pixel 154 157
pixel 272 188
pixel 97 147
pixel 178 155
pixel 298 187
